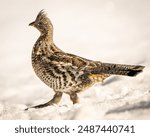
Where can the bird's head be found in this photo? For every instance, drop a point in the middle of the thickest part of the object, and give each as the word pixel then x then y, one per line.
pixel 42 23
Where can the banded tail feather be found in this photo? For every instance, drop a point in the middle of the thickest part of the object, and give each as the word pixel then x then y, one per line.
pixel 119 69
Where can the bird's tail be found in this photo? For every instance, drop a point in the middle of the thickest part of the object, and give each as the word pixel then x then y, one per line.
pixel 118 69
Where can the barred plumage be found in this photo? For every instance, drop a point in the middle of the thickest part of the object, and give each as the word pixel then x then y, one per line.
pixel 68 73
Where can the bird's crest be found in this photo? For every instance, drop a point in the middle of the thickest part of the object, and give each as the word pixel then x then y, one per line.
pixel 42 15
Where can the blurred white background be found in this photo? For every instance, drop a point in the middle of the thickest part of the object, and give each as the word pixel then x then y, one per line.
pixel 116 31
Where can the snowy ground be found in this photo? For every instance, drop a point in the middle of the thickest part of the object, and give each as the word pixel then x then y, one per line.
pixel 115 31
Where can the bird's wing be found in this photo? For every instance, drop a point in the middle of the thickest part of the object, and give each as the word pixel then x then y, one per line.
pixel 77 62
pixel 74 65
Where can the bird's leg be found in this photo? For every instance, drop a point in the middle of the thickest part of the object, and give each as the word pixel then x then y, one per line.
pixel 54 100
pixel 74 98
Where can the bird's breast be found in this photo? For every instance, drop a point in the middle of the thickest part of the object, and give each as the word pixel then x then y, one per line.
pixel 55 76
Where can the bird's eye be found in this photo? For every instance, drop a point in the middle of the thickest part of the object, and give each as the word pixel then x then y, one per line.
pixel 39 24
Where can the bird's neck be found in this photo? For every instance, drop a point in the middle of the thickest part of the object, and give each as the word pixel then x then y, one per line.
pixel 45 45
pixel 47 36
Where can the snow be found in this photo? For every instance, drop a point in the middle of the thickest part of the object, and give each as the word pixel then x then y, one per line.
pixel 109 31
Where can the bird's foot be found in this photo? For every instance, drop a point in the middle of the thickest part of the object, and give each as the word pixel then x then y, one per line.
pixel 41 105
pixel 54 100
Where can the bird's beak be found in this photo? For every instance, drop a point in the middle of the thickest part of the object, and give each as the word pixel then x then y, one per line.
pixel 32 23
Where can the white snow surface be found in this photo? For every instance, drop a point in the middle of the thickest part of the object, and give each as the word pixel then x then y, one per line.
pixel 115 31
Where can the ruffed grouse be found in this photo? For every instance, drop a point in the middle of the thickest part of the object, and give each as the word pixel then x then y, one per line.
pixel 65 72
